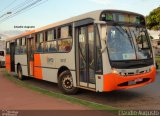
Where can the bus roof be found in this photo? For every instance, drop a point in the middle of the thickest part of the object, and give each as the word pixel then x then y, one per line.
pixel 94 15
pixel 21 35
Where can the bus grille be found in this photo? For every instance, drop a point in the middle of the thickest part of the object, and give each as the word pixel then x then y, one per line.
pixel 137 72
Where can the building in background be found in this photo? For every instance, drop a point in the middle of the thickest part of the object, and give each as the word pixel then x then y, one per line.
pixel 155 41
pixel 156 46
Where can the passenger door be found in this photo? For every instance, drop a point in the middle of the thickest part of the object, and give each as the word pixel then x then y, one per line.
pixel 12 54
pixel 30 56
pixel 85 55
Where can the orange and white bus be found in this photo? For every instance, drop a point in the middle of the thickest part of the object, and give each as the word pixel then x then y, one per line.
pixel 102 51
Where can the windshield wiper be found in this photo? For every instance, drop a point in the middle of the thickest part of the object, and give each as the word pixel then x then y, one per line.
pixel 124 30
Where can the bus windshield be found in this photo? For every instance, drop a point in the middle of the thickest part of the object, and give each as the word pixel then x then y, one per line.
pixel 128 43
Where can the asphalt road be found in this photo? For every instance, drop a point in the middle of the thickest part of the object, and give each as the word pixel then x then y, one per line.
pixel 142 98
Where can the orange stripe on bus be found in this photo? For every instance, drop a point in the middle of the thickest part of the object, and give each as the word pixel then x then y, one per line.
pixel 8 63
pixel 111 81
pixel 31 67
pixel 37 66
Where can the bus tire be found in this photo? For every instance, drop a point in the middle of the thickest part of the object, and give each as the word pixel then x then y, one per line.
pixel 65 83
pixel 19 73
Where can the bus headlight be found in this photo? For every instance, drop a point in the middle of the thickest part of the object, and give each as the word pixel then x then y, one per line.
pixel 115 71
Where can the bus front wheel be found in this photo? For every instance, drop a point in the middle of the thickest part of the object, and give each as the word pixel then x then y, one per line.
pixel 65 83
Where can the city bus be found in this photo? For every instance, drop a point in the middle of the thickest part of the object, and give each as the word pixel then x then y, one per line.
pixel 101 51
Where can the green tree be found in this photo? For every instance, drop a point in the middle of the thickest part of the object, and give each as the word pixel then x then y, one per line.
pixel 153 19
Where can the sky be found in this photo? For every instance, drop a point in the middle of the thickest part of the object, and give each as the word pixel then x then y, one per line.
pixel 56 10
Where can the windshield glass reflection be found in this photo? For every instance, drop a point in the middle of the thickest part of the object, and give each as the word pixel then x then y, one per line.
pixel 128 43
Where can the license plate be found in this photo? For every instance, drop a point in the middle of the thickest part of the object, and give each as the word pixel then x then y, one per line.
pixel 135 81
pixel 131 83
pixel 138 80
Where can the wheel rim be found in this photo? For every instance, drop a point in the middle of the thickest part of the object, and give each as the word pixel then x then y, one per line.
pixel 67 82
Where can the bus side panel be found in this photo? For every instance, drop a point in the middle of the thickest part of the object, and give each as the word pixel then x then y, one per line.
pixel 51 63
pixel 49 69
pixel 50 74
pixel 22 60
pixel 8 63
pixel 37 66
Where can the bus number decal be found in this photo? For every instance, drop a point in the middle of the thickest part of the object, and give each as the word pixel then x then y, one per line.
pixel 63 60
pixel 50 60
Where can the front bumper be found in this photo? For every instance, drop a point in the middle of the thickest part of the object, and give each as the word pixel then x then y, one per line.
pixel 116 82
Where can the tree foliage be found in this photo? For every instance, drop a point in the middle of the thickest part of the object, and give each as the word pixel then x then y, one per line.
pixel 153 19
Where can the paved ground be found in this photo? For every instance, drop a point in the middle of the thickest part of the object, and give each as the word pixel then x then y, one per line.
pixel 15 97
pixel 142 98
pixel 26 102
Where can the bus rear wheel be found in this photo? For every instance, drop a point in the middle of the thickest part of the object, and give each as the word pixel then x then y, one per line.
pixel 19 72
pixel 66 83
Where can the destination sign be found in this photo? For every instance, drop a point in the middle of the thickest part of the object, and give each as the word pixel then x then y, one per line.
pixel 123 18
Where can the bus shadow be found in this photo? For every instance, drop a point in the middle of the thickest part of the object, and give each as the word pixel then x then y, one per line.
pixel 114 96
pixel 42 84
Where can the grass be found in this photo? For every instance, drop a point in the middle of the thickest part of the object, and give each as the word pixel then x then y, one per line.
pixel 92 105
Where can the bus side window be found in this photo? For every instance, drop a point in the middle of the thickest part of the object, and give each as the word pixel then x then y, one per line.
pixel 65 45
pixel 18 46
pixel 65 42
pixel 39 42
pixel 51 44
pixel 23 45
